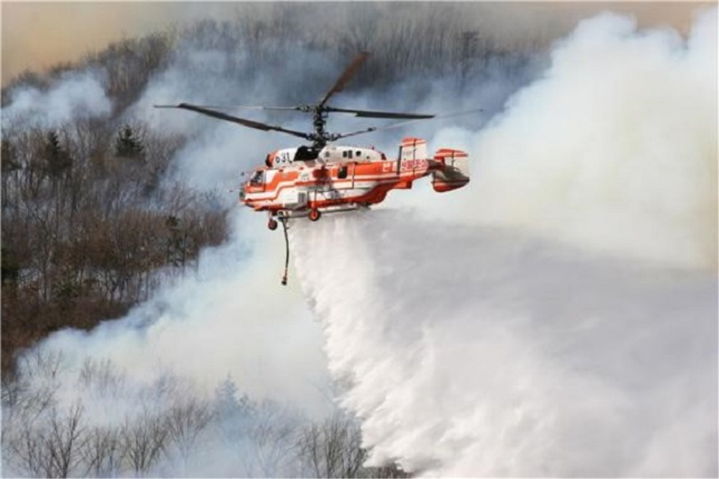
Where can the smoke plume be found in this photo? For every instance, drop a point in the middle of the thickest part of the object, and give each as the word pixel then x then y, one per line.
pixel 214 322
pixel 73 96
pixel 474 347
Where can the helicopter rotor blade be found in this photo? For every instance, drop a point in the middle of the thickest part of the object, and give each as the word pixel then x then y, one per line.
pixel 403 123
pixel 241 107
pixel 380 114
pixel 234 119
pixel 345 77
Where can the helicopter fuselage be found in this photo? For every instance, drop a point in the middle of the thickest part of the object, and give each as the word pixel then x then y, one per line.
pixel 343 178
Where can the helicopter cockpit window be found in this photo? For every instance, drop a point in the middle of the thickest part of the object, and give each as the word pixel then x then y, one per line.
pixel 257 178
pixel 306 153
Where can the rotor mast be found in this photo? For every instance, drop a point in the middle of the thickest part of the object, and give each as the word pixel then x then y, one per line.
pixel 320 136
pixel 320 110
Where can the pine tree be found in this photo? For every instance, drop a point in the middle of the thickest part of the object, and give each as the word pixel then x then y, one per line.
pixel 10 267
pixel 57 160
pixel 8 157
pixel 128 145
pixel 226 397
pixel 235 415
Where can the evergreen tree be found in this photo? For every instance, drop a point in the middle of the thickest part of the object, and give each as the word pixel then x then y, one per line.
pixel 226 397
pixel 235 415
pixel 10 267
pixel 57 160
pixel 128 144
pixel 8 157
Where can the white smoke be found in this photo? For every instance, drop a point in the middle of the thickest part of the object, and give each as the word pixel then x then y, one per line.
pixel 73 95
pixel 220 319
pixel 479 350
pixel 618 145
pixel 229 355
pixel 613 149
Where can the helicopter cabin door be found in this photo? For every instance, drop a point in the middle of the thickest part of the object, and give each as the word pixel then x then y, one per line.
pixel 345 175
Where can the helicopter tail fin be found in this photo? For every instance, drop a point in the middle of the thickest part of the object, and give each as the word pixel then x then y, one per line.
pixel 413 149
pixel 454 174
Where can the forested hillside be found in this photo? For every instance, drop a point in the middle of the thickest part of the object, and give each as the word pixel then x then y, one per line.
pixel 87 230
pixel 89 227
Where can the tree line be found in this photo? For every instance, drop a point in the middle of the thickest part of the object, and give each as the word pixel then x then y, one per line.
pixel 164 427
pixel 412 40
pixel 88 230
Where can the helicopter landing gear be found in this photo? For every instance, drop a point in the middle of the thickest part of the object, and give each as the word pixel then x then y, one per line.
pixel 272 224
pixel 314 214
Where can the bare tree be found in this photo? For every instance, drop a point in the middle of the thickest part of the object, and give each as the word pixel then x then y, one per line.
pixel 66 436
pixel 49 447
pixel 271 433
pixel 102 453
pixel 332 448
pixel 143 440
pixel 185 422
pixel 101 377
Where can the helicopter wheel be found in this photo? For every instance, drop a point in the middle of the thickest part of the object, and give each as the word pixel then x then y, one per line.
pixel 272 224
pixel 314 214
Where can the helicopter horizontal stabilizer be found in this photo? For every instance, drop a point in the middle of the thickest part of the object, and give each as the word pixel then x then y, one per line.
pixel 454 174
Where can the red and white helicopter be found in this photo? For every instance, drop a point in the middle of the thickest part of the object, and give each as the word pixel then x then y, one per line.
pixel 310 180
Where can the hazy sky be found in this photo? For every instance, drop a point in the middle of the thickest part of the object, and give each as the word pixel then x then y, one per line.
pixel 36 35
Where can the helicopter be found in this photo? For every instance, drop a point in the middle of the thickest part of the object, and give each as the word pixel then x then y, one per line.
pixel 320 177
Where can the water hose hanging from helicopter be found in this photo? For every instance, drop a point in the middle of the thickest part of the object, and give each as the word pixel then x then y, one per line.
pixel 287 250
